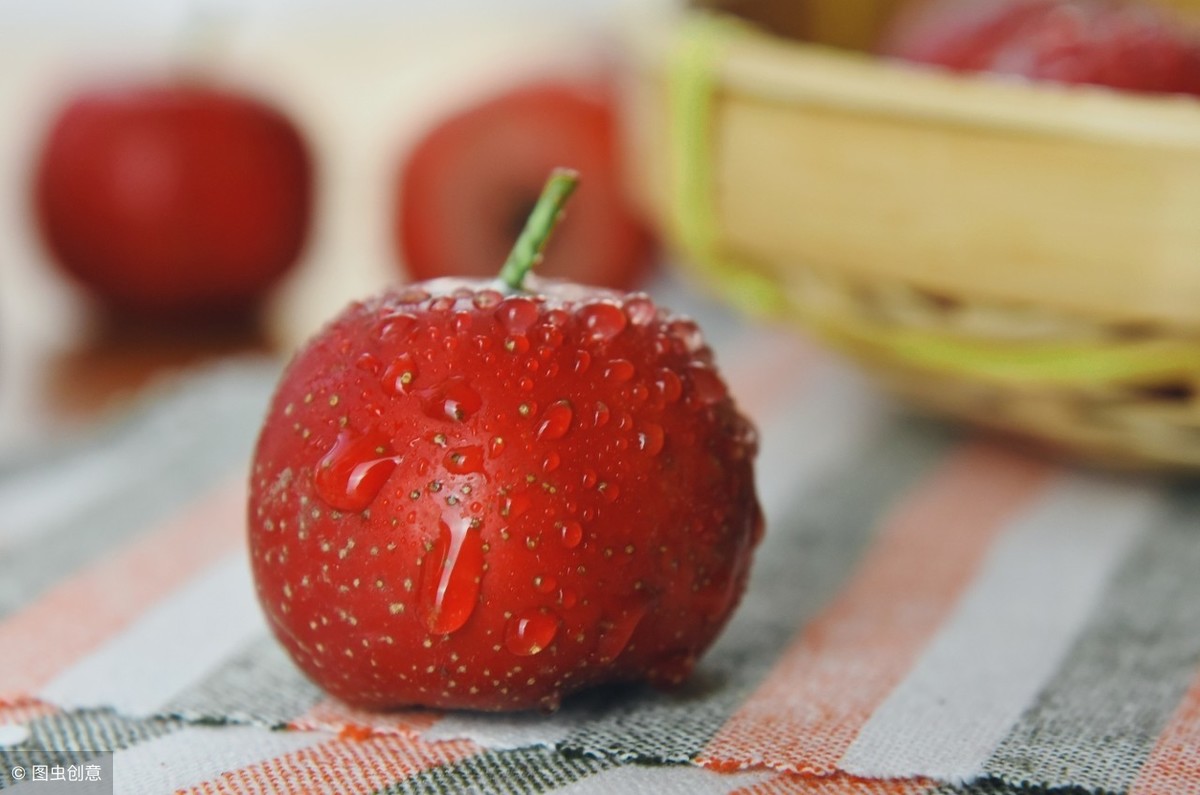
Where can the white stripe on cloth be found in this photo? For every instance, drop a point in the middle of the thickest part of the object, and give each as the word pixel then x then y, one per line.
pixel 663 780
pixel 171 646
pixel 1008 635
pixel 198 754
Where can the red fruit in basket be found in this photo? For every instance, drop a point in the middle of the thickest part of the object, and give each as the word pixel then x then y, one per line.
pixel 474 494
pixel 173 198
pixel 464 190
pixel 1102 42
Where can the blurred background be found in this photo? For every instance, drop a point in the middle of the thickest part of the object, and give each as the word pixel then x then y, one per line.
pixel 360 79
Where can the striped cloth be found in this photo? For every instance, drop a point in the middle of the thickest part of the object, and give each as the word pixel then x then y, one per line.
pixel 929 612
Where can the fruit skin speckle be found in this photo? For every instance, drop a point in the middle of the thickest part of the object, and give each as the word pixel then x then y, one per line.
pixel 513 524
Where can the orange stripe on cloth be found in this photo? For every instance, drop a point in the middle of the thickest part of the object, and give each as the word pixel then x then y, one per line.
pixel 836 784
pixel 333 715
pixel 1174 764
pixel 78 615
pixel 842 666
pixel 24 710
pixel 341 765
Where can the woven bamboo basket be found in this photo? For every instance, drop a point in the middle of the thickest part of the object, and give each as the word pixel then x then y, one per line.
pixel 1023 256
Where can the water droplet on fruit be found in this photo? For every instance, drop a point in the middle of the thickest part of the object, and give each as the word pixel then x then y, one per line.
pixel 706 384
pixel 368 364
pixel 529 633
pixel 551 462
pixel 453 399
pixel 517 343
pixel 400 374
pixel 620 631
pixel 687 332
pixel 496 446
pixel 545 583
pixel 487 299
pixel 517 314
pixel 650 438
pixel 601 415
pixel 619 371
pixel 463 322
pixel 583 360
pixel 398 326
pixel 572 534
pixel 443 303
pixel 668 385
pixel 568 598
pixel 640 309
pixel 451 576
pixel 589 479
pixel 525 383
pixel 556 421
pixel 513 505
pixel 603 321
pixel 350 476
pixel 463 460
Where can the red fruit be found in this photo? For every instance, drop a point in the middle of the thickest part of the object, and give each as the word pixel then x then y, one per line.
pixel 173 198
pixel 465 189
pixel 1102 42
pixel 472 496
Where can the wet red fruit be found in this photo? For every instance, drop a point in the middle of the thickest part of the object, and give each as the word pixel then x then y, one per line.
pixel 471 495
pixel 464 190
pixel 173 198
pixel 1133 47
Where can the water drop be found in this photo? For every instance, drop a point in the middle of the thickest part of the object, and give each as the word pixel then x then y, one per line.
pixel 551 462
pixel 352 473
pixel 668 385
pixel 529 633
pixel 572 534
pixel 525 383
pixel 516 314
pixel 513 505
pixel 568 598
pixel 640 309
pixel 601 415
pixel 517 343
pixel 583 360
pixel 399 375
pixel 463 460
pixel 368 363
pixel 620 631
pixel 603 321
pixel 556 421
pixel 619 371
pixel 687 332
pixel 650 438
pixel 453 399
pixel 495 446
pixel 589 478
pixel 487 299
pixel 398 326
pixel 706 384
pixel 451 576
pixel 545 583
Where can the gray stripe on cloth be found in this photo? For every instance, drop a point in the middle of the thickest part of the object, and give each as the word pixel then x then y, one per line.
pixel 76 737
pixel 1097 720
pixel 801 565
pixel 259 685
pixel 994 786
pixel 522 771
pixel 181 445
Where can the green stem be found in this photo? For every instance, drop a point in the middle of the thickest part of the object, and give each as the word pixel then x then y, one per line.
pixel 527 251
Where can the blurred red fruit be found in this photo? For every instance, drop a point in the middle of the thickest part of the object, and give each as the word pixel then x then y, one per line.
pixel 466 188
pixel 170 199
pixel 1102 42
